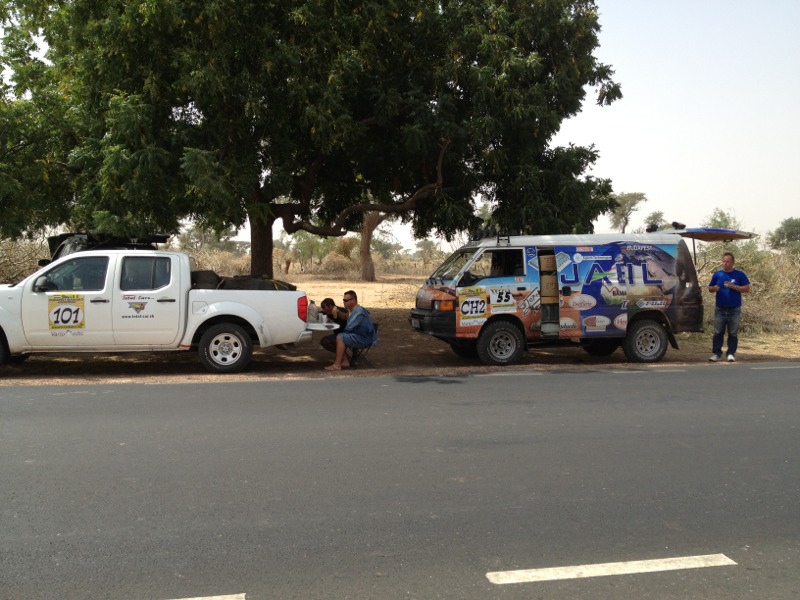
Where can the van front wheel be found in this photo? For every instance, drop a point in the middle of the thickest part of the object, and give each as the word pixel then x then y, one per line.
pixel 500 343
pixel 646 342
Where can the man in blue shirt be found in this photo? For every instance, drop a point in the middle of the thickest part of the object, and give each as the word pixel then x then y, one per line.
pixel 358 333
pixel 728 284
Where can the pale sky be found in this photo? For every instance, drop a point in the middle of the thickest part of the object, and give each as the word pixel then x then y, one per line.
pixel 710 116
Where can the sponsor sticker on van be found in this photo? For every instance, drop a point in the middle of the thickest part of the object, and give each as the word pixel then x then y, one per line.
pixel 582 302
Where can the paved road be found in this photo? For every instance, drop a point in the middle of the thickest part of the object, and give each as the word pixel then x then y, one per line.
pixel 404 487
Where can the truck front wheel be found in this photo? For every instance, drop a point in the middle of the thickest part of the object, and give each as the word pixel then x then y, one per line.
pixel 225 348
pixel 646 342
pixel 500 343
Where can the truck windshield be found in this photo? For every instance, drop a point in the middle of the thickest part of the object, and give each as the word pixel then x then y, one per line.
pixel 453 265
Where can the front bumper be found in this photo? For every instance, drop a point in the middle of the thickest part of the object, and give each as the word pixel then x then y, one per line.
pixel 439 324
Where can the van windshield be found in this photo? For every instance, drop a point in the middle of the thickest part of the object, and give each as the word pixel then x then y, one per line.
pixel 453 265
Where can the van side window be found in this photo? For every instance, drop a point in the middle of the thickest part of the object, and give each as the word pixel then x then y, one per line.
pixel 145 273
pixel 500 263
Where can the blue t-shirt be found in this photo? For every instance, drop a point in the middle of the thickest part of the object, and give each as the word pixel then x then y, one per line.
pixel 727 297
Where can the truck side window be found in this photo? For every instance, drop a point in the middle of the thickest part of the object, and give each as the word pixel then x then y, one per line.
pixel 145 273
pixel 86 274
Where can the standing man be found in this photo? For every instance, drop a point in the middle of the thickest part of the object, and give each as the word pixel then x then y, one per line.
pixel 728 284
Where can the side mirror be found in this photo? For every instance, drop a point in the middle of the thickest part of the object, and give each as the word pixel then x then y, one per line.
pixel 41 284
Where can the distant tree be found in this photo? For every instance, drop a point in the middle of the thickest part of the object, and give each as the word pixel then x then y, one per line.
pixel 307 247
pixel 722 220
pixel 386 247
pixel 196 238
pixel 429 252
pixel 787 235
pixel 656 220
pixel 627 204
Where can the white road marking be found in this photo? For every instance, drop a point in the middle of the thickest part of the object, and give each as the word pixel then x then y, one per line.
pixel 601 570
pixel 773 368
pixel 228 597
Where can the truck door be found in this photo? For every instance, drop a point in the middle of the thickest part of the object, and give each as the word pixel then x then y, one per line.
pixel 147 306
pixel 69 305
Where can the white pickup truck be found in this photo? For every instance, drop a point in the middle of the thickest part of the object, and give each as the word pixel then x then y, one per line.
pixel 144 300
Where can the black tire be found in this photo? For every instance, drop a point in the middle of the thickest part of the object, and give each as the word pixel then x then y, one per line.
pixel 500 343
pixel 464 349
pixel 601 347
pixel 646 342
pixel 225 348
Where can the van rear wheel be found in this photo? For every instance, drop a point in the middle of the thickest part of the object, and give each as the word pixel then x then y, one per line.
pixel 646 342
pixel 500 343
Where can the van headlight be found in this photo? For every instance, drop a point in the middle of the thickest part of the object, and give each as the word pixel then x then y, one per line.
pixel 444 305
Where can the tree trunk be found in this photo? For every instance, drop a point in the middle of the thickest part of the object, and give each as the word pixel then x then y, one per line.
pixel 261 246
pixel 371 222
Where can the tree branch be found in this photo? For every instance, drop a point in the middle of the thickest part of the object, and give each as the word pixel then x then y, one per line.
pixel 337 228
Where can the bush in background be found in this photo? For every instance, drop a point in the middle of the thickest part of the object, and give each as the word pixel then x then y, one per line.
pixel 19 258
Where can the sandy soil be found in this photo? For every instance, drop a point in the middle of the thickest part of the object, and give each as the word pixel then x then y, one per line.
pixel 401 351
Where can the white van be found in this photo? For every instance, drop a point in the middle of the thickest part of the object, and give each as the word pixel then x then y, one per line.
pixel 495 297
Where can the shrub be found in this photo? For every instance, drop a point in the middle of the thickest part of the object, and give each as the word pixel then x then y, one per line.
pixel 336 264
pixel 19 258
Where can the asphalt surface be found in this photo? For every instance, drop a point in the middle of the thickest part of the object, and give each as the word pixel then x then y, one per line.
pixel 404 487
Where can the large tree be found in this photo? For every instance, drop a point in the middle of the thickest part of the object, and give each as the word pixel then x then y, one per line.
pixel 298 110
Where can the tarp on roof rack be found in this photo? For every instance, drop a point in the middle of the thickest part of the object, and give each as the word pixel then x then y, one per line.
pixel 711 234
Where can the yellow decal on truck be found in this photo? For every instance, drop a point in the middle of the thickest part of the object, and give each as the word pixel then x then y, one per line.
pixel 66 311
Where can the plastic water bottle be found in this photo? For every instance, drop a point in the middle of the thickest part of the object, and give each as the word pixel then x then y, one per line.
pixel 312 312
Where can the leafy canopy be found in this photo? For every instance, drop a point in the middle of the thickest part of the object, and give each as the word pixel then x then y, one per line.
pixel 302 109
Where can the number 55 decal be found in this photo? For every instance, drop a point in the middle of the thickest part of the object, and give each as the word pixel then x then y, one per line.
pixel 66 311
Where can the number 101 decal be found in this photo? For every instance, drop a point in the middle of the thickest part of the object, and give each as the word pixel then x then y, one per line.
pixel 66 311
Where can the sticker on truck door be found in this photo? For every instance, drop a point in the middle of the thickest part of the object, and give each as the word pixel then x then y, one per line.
pixel 66 311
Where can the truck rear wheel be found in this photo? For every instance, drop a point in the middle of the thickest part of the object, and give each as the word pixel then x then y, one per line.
pixel 225 348
pixel 500 343
pixel 646 342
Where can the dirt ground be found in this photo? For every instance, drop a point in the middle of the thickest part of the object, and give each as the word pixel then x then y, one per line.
pixel 401 351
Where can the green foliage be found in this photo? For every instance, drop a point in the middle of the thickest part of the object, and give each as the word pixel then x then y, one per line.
pixel 179 109
pixel 787 235
pixel 657 218
pixel 386 247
